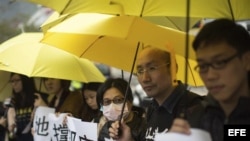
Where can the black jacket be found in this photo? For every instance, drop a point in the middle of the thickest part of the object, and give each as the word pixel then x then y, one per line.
pixel 137 126
pixel 160 117
pixel 210 116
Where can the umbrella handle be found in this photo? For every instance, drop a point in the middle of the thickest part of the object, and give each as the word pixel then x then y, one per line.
pixel 120 129
pixel 125 99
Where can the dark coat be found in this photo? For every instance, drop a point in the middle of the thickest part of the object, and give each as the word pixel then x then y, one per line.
pixel 70 102
pixel 137 126
pixel 210 116
pixel 2 133
pixel 161 117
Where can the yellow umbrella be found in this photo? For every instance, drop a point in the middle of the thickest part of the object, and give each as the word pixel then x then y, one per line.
pixel 35 59
pixel 178 23
pixel 80 31
pixel 237 9
pixel 112 40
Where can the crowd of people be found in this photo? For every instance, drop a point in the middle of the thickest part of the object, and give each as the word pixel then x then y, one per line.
pixel 222 50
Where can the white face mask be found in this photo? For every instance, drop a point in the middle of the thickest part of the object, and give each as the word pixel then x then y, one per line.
pixel 113 111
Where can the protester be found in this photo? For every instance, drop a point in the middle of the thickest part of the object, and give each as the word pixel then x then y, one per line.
pixel 156 72
pixel 64 101
pixel 111 96
pixel 22 101
pixel 90 108
pixel 223 54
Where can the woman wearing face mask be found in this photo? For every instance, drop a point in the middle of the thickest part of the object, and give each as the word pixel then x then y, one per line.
pixel 110 96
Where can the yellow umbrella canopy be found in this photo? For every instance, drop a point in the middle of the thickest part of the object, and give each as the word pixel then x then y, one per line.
pixel 233 9
pixel 84 31
pixel 36 59
pixel 178 23
pixel 112 40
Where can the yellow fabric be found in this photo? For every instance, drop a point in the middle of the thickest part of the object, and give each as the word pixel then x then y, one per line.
pixel 178 23
pixel 177 8
pixel 36 59
pixel 90 27
pixel 113 40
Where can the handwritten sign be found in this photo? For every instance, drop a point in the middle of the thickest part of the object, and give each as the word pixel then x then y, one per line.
pixel 81 131
pixel 41 123
pixel 58 130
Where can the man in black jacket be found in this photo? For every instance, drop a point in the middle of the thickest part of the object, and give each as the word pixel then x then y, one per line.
pixel 156 72
pixel 223 54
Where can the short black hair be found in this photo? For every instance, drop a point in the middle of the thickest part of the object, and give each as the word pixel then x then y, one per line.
pixel 224 30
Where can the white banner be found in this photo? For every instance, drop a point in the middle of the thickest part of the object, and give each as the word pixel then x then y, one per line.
pixel 41 123
pixel 196 135
pixel 58 130
pixel 81 131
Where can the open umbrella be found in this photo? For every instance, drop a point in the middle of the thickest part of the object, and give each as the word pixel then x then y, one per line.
pixel 36 59
pixel 112 40
pixel 178 23
pixel 233 9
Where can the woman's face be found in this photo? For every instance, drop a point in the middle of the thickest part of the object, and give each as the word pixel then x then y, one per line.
pixel 90 98
pixel 53 86
pixel 113 94
pixel 16 83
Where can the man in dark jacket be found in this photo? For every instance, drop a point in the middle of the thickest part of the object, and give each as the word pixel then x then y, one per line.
pixel 223 54
pixel 156 71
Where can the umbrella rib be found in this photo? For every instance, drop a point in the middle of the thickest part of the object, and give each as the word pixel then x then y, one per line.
pixel 143 6
pixel 231 9
pixel 99 37
pixel 174 23
pixel 65 7
pixel 120 6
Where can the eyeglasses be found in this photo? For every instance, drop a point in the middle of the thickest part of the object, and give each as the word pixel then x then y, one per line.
pixel 116 100
pixel 220 64
pixel 149 70
pixel 14 80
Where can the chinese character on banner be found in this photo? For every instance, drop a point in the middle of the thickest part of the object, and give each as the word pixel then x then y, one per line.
pixel 81 131
pixel 41 123
pixel 58 130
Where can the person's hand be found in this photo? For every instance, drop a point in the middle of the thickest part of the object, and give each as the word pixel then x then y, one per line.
pixel 65 118
pixel 11 119
pixel 32 131
pixel 181 126
pixel 125 135
pixel 3 121
pixel 39 101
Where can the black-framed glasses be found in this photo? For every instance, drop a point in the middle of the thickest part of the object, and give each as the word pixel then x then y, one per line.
pixel 217 65
pixel 116 100
pixel 150 70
